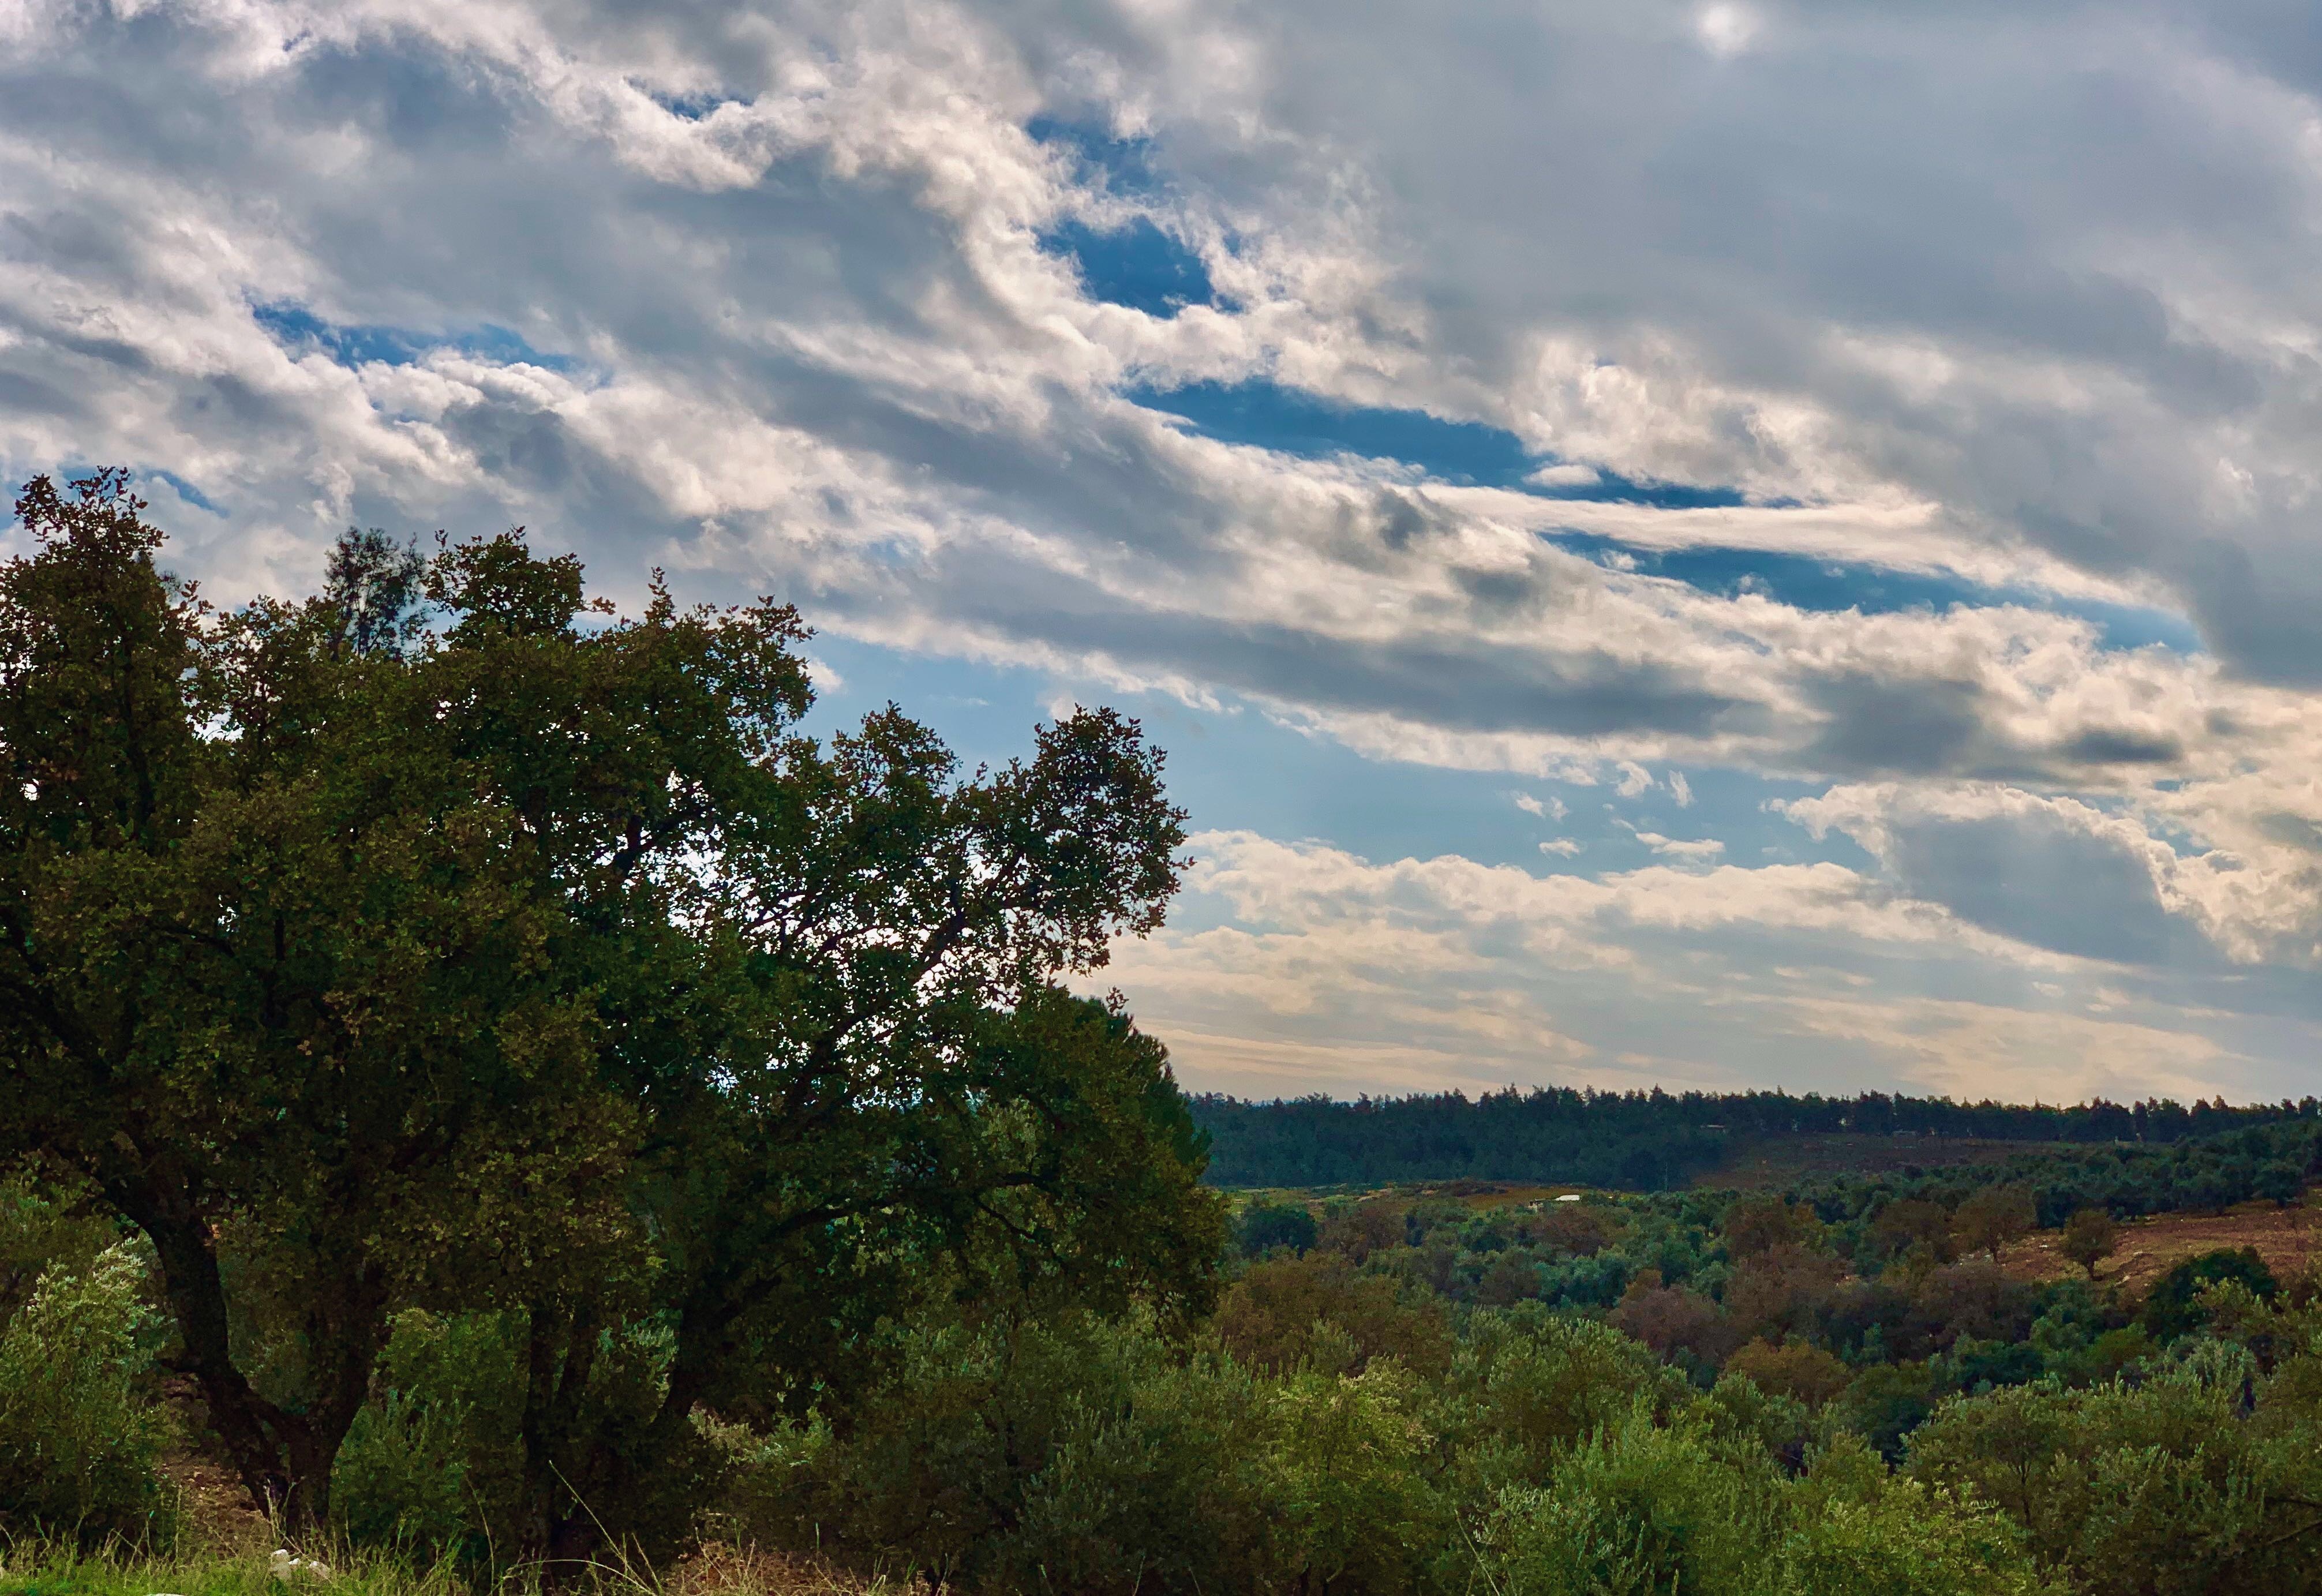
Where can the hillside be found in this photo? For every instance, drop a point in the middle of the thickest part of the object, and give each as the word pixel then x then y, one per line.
pixel 1658 1141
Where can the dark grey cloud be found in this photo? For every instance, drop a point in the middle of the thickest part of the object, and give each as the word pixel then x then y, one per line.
pixel 2039 880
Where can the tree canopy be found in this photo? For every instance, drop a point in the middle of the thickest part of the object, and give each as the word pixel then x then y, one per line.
pixel 442 941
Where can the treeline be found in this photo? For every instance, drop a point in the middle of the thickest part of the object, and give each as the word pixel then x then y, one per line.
pixel 2273 1162
pixel 1637 1141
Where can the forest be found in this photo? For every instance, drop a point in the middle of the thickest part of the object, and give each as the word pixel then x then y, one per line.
pixel 486 1099
pixel 1643 1141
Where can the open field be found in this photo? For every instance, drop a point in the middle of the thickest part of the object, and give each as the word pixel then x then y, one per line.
pixel 1753 1163
pixel 2289 1240
pixel 1482 1197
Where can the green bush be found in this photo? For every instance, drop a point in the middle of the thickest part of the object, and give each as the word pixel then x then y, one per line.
pixel 2172 1309
pixel 43 1228
pixel 1855 1530
pixel 1099 1458
pixel 431 1466
pixel 1268 1225
pixel 78 1438
pixel 1639 1510
pixel 2158 1486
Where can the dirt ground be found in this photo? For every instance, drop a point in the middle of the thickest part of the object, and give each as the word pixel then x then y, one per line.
pixel 2289 1240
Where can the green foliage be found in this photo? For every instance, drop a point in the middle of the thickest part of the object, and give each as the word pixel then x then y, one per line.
pixel 2172 1307
pixel 1027 1456
pixel 1658 1141
pixel 1526 1387
pixel 1857 1531
pixel 1646 1510
pixel 432 1466
pixel 2158 1487
pixel 1264 1227
pixel 1639 1510
pixel 43 1228
pixel 78 1439
pixel 507 965
pixel 1285 1312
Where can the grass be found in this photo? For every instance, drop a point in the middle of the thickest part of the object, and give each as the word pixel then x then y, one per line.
pixel 28 1569
pixel 1480 1196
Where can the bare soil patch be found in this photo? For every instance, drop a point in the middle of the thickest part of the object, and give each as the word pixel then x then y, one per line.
pixel 2289 1240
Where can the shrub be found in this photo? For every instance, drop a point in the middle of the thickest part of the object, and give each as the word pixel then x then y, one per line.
pixel 1674 1319
pixel 1080 1456
pixel 2089 1238
pixel 1637 1509
pixel 433 1464
pixel 1268 1225
pixel 1534 1385
pixel 2162 1487
pixel 1268 1318
pixel 1855 1531
pixel 1886 1403
pixel 1363 1229
pixel 1795 1369
pixel 1356 1513
pixel 2171 1309
pixel 42 1228
pixel 77 1440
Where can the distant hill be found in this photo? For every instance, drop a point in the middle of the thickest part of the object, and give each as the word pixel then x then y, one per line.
pixel 1638 1141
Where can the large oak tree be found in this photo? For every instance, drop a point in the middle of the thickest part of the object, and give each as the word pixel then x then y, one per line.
pixel 442 941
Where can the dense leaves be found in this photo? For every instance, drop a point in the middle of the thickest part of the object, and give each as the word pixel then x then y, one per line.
pixel 502 957
pixel 1652 1141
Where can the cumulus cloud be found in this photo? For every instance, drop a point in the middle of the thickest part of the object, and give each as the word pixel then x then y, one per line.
pixel 2019 310
pixel 1485 975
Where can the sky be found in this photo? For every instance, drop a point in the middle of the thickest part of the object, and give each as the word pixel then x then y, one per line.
pixel 1707 545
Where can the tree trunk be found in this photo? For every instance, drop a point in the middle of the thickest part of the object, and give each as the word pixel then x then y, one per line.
pixel 264 1442
pixel 283 1458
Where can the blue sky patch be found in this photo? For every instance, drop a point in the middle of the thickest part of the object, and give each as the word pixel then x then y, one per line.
pixel 293 325
pixel 1268 415
pixel 693 108
pixel 1138 265
pixel 1100 158
pixel 1805 583
pixel 1244 771
pixel 185 490
pixel 1611 488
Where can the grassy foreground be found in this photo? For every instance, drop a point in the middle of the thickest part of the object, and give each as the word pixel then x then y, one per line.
pixel 31 1570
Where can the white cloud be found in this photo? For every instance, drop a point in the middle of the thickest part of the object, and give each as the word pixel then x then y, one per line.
pixel 1562 847
pixel 1811 976
pixel 1547 808
pixel 1678 848
pixel 1887 293
pixel 1728 29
